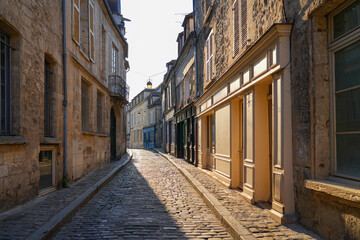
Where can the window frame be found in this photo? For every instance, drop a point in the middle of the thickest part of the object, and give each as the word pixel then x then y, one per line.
pixel 335 45
pixel 48 99
pixel 114 60
pixel 85 106
pixel 209 56
pixel 100 112
pixel 91 10
pixel 76 8
pixel 7 128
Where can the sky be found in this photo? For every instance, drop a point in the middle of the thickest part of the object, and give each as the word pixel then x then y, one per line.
pixel 151 35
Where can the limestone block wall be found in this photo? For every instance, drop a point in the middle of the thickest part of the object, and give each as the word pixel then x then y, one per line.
pixel 90 148
pixel 35 34
pixel 329 209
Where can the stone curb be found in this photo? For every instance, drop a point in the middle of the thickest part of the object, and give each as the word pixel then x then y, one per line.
pixel 229 222
pixel 47 230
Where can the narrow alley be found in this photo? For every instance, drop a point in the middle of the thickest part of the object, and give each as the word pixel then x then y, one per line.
pixel 150 199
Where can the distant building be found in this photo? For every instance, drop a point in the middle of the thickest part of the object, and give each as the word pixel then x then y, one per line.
pixel 138 112
pixel 152 127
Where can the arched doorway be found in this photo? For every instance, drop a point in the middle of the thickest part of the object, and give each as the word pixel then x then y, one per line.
pixel 112 134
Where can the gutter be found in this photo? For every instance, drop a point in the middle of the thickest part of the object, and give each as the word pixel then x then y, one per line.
pixel 65 103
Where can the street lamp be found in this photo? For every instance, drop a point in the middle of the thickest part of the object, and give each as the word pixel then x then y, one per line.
pixel 149 84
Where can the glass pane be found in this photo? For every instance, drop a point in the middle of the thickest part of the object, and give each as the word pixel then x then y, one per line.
pixel 347 20
pixel 347 67
pixel 45 165
pixel 348 154
pixel 348 111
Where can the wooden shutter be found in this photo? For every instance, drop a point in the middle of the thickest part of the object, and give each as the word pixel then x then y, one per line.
pixel 76 20
pixel 91 30
pixel 209 57
pixel 211 60
pixel 236 17
pixel 243 23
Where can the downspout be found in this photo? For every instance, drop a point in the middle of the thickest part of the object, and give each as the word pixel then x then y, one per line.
pixel 196 79
pixel 64 181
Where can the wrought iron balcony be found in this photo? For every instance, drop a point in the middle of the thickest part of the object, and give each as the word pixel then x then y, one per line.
pixel 118 87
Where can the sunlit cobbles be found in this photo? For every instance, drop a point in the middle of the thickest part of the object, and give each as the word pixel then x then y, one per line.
pixel 150 199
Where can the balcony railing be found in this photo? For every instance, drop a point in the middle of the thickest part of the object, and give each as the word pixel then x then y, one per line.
pixel 118 86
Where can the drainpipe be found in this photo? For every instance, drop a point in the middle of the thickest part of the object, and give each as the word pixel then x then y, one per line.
pixel 196 79
pixel 64 181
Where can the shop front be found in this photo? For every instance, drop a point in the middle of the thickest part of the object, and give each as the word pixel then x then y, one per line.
pixel 244 120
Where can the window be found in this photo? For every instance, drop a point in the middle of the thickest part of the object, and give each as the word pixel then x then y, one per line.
pixel 210 133
pixel 240 25
pixel 151 117
pixel 85 106
pixel 209 57
pixel 99 111
pixel 5 83
pixel 76 21
pixel 83 26
pixel 346 90
pixel 47 99
pixel 114 56
pixel 91 30
pixel 103 51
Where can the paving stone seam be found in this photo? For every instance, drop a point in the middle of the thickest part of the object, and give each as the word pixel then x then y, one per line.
pixel 237 230
pixel 47 230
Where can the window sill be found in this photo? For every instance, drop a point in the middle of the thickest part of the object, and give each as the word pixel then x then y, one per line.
pixel 344 191
pixel 95 134
pixel 102 134
pixel 88 133
pixel 51 141
pixel 12 140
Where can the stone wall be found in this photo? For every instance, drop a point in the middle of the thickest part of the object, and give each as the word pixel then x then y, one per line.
pixel 34 39
pixel 35 29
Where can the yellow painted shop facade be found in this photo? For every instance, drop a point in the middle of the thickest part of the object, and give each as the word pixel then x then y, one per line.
pixel 244 124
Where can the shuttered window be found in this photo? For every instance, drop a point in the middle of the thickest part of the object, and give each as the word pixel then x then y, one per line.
pixel 243 23
pixel 76 20
pixel 91 30
pixel 240 25
pixel 209 57
pixel 236 24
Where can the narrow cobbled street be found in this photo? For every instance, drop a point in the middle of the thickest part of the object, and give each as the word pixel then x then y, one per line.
pixel 148 199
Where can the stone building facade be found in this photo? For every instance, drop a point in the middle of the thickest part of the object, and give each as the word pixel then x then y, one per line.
pixel 185 92
pixel 138 112
pixel 27 46
pixel 152 127
pixel 277 112
pixel 97 53
pixel 32 115
pixel 168 105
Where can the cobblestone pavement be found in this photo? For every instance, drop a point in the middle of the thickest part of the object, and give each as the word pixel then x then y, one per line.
pixel 150 199
pixel 254 218
pixel 20 222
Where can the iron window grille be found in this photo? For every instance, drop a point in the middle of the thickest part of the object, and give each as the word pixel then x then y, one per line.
pixel 5 84
pixel 47 100
pixel 85 104
pixel 99 109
